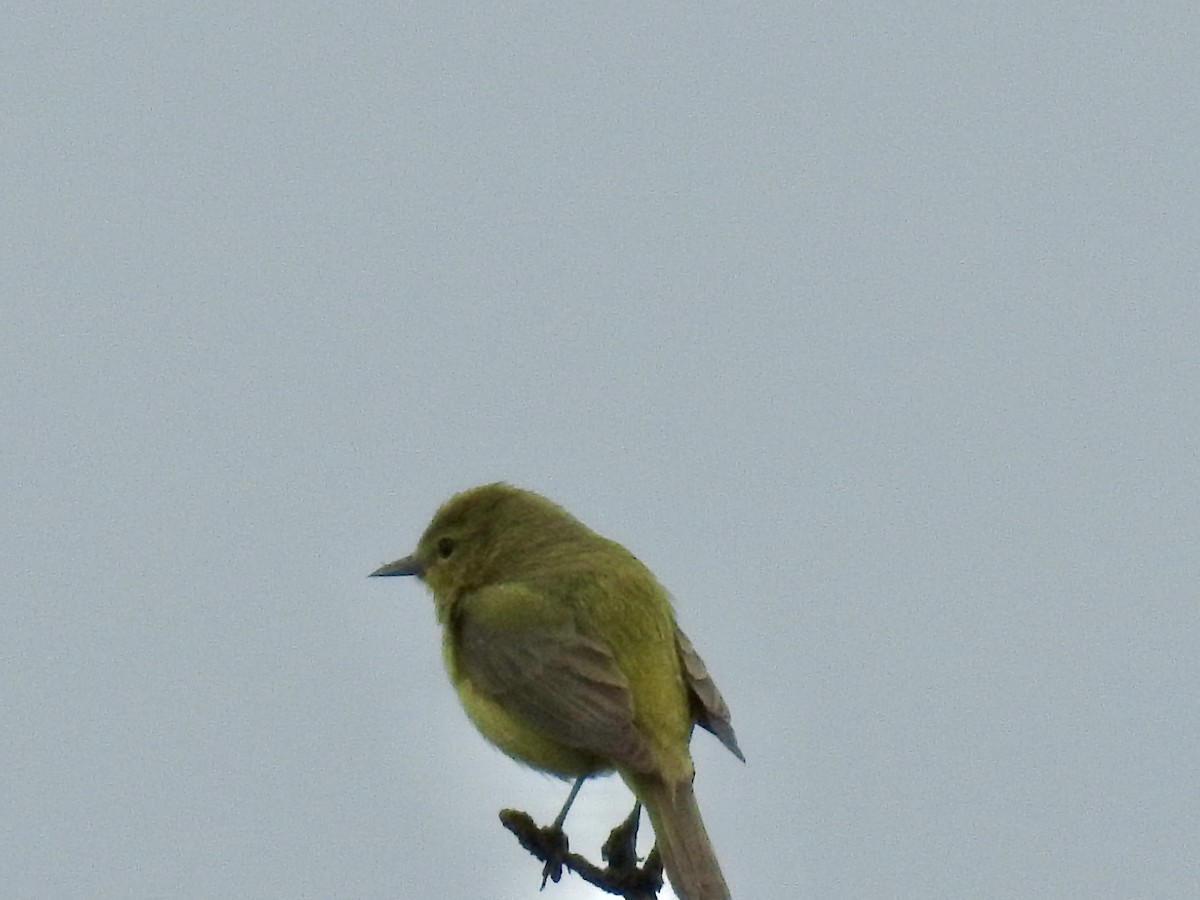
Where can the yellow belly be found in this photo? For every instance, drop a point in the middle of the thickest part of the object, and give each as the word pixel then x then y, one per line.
pixel 522 741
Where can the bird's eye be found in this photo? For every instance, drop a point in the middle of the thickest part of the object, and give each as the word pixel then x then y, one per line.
pixel 445 547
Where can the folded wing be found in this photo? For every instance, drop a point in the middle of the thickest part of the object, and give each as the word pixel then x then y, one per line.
pixel 524 651
pixel 708 706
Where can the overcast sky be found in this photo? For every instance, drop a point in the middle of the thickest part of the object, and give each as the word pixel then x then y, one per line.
pixel 872 328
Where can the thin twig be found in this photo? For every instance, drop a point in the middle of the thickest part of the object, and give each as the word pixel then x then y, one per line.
pixel 622 876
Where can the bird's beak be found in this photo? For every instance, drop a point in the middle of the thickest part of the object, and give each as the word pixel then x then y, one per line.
pixel 410 565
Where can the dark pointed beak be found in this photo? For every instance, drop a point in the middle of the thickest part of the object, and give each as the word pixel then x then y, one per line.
pixel 410 565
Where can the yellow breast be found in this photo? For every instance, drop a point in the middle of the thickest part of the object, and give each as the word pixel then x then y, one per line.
pixel 518 739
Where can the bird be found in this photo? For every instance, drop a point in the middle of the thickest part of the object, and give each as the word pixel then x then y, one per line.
pixel 565 654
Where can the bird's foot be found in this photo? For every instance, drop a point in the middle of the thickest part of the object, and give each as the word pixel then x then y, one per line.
pixel 622 876
pixel 620 850
pixel 554 846
pixel 549 844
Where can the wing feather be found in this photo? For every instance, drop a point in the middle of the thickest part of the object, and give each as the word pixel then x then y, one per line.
pixel 708 706
pixel 524 652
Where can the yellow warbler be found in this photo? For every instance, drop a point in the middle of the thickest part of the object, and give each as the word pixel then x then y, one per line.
pixel 565 654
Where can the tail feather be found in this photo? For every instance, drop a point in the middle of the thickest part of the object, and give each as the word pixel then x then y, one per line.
pixel 687 855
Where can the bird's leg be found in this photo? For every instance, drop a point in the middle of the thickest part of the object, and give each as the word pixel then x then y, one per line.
pixel 623 873
pixel 620 850
pixel 622 876
pixel 562 816
pixel 557 838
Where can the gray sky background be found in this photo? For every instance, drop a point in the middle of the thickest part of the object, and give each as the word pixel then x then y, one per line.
pixel 872 328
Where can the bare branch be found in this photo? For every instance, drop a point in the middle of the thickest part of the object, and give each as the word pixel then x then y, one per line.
pixel 622 876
